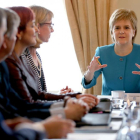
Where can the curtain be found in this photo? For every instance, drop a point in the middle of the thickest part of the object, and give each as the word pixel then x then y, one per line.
pixel 89 24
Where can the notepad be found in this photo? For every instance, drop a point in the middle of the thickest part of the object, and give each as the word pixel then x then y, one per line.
pixel 132 97
pixel 104 107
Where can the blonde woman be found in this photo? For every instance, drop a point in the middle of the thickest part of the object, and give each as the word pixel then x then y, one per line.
pixel 118 59
pixel 44 22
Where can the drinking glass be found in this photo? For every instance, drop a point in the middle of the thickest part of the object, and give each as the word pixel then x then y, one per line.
pixel 117 98
pixel 129 128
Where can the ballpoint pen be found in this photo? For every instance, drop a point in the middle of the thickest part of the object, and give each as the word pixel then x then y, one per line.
pixel 98 61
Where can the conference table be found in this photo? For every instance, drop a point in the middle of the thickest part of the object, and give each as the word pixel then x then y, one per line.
pixel 108 132
pixel 99 132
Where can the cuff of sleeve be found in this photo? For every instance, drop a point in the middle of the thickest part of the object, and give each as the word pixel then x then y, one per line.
pixel 57 105
pixel 36 127
pixel 28 134
pixel 58 111
pixel 86 83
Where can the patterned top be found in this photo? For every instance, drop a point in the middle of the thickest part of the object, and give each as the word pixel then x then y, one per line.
pixel 41 81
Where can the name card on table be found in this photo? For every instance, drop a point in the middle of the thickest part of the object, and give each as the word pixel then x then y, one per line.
pixel 132 97
pixel 92 136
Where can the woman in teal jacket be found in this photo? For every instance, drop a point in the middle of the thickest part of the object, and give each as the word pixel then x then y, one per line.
pixel 117 62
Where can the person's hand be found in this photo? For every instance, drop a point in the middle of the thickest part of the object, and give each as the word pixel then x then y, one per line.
pixel 136 72
pixel 94 65
pixel 12 123
pixel 91 100
pixel 56 127
pixel 75 109
pixel 65 90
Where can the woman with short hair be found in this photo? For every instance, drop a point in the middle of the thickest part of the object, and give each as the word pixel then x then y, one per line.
pixel 118 59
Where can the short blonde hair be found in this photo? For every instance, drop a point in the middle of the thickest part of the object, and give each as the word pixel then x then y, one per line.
pixel 123 14
pixel 42 15
pixel 13 20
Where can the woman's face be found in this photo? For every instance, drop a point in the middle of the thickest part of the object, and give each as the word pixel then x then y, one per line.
pixel 123 32
pixel 28 36
pixel 2 31
pixel 45 30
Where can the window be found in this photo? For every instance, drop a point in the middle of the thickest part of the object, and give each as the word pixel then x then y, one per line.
pixel 58 55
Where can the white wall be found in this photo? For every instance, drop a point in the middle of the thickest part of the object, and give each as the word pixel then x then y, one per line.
pixel 60 64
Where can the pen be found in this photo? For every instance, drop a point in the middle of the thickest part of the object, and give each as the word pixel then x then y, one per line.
pixel 98 61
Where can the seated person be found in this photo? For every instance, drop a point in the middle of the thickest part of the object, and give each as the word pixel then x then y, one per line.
pixel 22 128
pixel 43 18
pixel 118 59
pixel 22 77
pixel 11 104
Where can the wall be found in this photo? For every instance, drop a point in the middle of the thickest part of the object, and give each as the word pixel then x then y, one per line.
pixel 135 6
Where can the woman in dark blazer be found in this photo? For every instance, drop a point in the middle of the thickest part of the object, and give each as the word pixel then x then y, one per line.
pixel 21 128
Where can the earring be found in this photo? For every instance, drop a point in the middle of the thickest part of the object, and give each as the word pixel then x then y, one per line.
pixel 19 38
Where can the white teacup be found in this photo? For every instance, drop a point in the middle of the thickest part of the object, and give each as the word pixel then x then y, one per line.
pixel 118 94
pixel 117 98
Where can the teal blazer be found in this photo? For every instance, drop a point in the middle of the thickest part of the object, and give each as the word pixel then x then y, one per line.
pixel 118 73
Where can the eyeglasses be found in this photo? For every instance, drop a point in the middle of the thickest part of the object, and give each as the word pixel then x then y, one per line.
pixel 50 25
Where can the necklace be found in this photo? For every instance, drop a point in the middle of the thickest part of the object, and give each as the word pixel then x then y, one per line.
pixel 39 68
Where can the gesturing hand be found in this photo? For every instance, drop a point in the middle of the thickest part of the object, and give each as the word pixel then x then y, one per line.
pixel 94 65
pixel 65 90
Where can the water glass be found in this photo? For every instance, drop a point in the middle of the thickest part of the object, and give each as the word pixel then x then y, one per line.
pixel 117 98
pixel 129 128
